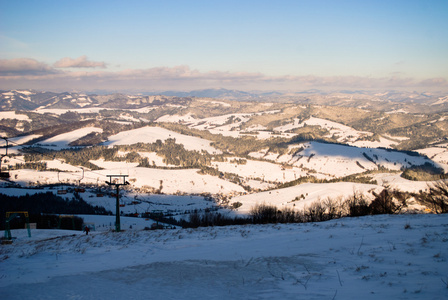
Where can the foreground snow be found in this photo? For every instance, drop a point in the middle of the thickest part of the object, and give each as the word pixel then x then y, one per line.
pixel 381 257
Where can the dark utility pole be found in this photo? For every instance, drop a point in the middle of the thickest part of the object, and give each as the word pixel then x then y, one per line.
pixel 115 181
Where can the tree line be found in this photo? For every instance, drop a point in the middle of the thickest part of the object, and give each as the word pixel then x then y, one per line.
pixel 386 202
pixel 40 204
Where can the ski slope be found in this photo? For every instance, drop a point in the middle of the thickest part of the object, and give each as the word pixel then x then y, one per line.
pixel 374 257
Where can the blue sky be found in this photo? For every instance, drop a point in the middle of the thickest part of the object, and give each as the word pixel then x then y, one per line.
pixel 185 45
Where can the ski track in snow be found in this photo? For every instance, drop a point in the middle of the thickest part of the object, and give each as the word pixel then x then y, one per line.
pixel 374 257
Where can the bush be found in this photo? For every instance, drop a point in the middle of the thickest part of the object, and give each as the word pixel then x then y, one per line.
pixel 384 203
pixel 264 213
pixel 316 212
pixel 437 197
pixel 357 205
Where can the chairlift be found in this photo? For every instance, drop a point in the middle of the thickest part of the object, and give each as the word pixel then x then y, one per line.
pixel 61 191
pixel 80 189
pixel 98 192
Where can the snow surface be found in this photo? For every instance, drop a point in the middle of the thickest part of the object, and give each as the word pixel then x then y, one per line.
pixel 218 124
pixel 344 132
pixel 60 111
pixel 23 139
pixel 173 181
pixel 311 192
pixel 336 160
pixel 150 134
pixel 396 182
pixel 13 115
pixel 154 158
pixel 437 154
pixel 374 257
pixel 259 169
pixel 62 141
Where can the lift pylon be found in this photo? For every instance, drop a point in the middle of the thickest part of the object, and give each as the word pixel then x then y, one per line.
pixel 115 181
pixel 4 175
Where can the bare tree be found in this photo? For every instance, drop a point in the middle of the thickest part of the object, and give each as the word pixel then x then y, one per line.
pixel 437 198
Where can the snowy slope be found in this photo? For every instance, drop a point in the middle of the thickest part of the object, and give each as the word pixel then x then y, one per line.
pixel 282 198
pixel 437 154
pixel 226 125
pixel 337 160
pixel 381 257
pixel 221 125
pixel 62 140
pixel 260 169
pixel 150 134
pixel 13 115
pixel 173 181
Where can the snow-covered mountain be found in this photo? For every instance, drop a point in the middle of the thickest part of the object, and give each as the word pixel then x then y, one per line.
pixel 232 148
pixel 387 101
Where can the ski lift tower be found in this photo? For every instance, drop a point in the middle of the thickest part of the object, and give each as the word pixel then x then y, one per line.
pixel 115 181
pixel 4 175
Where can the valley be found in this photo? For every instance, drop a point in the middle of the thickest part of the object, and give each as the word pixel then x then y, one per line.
pixel 239 153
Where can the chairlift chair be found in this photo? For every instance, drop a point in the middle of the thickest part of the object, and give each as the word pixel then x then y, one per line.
pixel 61 191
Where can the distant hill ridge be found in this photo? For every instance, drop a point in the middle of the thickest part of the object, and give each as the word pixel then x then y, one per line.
pixel 413 102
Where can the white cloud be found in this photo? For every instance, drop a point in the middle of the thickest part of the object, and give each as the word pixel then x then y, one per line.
pixel 23 67
pixel 80 62
pixel 29 73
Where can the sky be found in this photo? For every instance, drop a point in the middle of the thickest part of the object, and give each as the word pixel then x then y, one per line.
pixel 285 45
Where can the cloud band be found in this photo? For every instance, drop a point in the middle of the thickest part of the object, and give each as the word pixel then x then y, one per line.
pixel 29 73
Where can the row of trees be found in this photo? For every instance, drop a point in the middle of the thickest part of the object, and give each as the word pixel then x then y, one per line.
pixel 354 206
pixel 386 202
pixel 46 203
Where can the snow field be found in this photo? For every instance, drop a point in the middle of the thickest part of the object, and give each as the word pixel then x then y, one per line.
pixel 60 111
pixel 173 181
pixel 336 160
pixel 437 154
pixel 260 169
pixel 291 197
pixel 13 115
pixel 375 257
pixel 62 140
pixel 152 134
pixel 155 158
